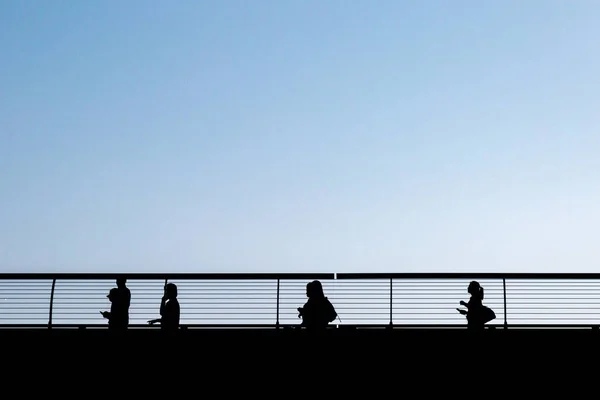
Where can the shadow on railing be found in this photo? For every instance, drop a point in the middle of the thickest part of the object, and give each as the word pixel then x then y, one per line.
pixel 365 301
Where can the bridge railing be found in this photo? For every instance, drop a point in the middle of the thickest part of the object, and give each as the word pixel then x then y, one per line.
pixel 271 300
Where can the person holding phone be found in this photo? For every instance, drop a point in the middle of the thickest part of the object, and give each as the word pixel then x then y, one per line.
pixel 169 309
pixel 477 314
pixel 115 317
pixel 120 300
pixel 318 312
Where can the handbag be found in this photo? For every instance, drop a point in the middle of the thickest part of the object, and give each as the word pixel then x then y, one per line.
pixel 487 314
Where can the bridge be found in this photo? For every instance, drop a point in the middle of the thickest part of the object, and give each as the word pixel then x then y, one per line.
pixel 364 301
pixel 225 319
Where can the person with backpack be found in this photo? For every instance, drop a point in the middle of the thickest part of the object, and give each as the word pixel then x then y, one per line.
pixel 318 312
pixel 477 314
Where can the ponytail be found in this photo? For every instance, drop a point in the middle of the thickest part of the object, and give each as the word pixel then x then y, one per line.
pixel 481 292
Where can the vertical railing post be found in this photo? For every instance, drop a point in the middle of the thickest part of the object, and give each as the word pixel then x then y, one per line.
pixel 504 291
pixel 51 303
pixel 391 302
pixel 277 311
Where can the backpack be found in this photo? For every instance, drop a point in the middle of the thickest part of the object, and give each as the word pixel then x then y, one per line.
pixel 331 313
pixel 487 314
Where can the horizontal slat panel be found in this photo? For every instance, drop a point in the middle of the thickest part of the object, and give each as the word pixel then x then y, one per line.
pixel 234 299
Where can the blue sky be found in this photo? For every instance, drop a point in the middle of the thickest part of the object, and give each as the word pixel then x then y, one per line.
pixel 229 136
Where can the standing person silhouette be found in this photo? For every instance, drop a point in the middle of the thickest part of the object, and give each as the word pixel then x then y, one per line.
pixel 120 299
pixel 477 314
pixel 318 312
pixel 124 301
pixel 169 309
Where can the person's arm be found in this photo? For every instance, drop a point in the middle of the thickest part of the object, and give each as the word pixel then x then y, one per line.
pixel 306 313
pixel 162 311
pixel 105 314
pixel 163 306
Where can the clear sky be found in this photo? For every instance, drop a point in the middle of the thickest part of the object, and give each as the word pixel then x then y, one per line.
pixel 338 136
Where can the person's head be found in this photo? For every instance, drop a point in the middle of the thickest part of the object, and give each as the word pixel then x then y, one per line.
pixel 121 282
pixel 475 289
pixel 112 295
pixel 171 291
pixel 314 289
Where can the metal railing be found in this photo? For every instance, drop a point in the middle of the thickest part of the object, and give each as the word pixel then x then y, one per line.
pixel 270 300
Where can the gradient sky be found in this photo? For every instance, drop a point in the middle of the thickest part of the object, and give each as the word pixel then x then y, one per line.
pixel 337 136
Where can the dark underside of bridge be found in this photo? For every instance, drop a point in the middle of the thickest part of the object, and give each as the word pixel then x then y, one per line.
pixel 242 352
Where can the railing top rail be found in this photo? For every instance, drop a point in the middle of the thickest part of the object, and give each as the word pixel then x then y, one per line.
pixel 306 276
pixel 162 276
pixel 468 275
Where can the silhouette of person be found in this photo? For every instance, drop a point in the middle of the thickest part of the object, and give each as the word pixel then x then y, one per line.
pixel 477 314
pixel 124 300
pixel 169 309
pixel 318 312
pixel 114 322
pixel 120 298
